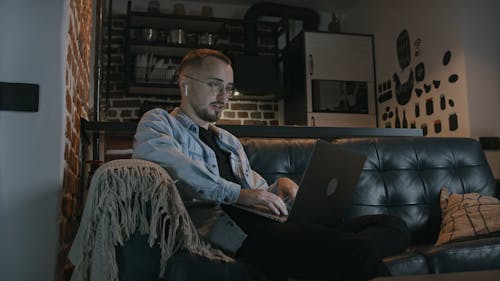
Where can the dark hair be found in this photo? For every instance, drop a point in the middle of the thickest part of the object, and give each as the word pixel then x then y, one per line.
pixel 196 57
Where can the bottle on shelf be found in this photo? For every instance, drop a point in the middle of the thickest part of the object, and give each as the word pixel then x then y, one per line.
pixel 334 25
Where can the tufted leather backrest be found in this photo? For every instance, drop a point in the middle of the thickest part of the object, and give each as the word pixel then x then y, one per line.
pixel 274 158
pixel 402 176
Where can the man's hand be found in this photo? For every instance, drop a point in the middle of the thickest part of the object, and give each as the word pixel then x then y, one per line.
pixel 286 188
pixel 252 197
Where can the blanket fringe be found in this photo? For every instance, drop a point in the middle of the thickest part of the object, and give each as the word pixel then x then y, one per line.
pixel 116 208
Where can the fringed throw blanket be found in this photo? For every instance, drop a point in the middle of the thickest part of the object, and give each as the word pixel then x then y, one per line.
pixel 120 193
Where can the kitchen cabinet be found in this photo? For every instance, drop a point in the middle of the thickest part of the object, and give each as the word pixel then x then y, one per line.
pixel 329 80
pixel 156 42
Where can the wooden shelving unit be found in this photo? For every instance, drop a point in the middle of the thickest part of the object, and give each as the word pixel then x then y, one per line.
pixel 196 25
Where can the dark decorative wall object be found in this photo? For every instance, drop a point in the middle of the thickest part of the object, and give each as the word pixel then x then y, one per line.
pixel 420 72
pixel 427 109
pixel 404 51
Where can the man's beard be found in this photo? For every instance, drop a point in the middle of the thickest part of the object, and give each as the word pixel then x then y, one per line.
pixel 204 114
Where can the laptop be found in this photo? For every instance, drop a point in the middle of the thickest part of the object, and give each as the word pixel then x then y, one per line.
pixel 326 188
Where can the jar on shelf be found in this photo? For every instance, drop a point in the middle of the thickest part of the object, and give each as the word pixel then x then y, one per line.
pixel 191 38
pixel 207 39
pixel 176 36
pixel 154 7
pixel 179 9
pixel 207 11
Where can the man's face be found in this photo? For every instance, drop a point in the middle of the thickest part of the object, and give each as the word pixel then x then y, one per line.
pixel 203 97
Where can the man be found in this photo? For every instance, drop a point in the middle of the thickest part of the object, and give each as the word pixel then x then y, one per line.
pixel 214 172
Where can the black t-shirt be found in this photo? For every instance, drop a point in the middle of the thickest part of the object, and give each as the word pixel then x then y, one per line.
pixel 225 171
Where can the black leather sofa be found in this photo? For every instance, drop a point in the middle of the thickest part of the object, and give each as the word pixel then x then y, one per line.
pixel 402 176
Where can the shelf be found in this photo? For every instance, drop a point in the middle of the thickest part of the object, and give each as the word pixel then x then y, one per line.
pixel 192 23
pixel 153 89
pixel 257 97
pixel 188 23
pixel 154 85
pixel 271 131
pixel 160 49
pixel 164 49
pixel 107 126
pixel 158 89
pixel 230 44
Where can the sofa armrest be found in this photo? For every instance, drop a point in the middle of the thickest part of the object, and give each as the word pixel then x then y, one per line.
pixel 409 263
pixel 478 254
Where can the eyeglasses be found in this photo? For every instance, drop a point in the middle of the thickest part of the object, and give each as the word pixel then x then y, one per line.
pixel 216 86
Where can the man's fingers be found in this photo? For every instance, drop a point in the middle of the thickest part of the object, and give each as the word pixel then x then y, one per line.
pixel 275 203
pixel 280 205
pixel 282 208
pixel 287 188
pixel 273 208
pixel 262 197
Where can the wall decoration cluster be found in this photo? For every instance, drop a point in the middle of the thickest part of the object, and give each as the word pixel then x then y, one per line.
pixel 411 97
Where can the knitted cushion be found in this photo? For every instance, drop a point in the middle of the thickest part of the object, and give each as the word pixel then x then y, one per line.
pixel 466 216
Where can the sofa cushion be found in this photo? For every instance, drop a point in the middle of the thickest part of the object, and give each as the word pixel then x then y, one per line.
pixel 466 216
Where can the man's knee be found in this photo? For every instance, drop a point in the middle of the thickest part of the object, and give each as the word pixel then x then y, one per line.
pixel 398 230
pixel 393 235
pixel 389 234
pixel 395 222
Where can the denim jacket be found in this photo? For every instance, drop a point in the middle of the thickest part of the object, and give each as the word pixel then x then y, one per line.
pixel 171 140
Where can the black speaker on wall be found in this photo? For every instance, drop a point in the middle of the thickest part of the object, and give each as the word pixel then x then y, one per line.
pixel 19 96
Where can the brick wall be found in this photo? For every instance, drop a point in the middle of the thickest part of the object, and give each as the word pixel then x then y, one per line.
pixel 118 106
pixel 251 113
pixel 76 100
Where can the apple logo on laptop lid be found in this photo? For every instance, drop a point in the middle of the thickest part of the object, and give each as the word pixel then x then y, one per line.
pixel 332 187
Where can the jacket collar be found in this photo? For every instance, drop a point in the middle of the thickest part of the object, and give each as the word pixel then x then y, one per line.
pixel 187 123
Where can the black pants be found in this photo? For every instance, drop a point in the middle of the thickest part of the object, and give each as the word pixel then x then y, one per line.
pixel 349 251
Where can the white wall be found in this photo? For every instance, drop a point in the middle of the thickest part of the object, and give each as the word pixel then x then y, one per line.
pixel 32 50
pixel 468 28
pixel 481 40
pixel 435 24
